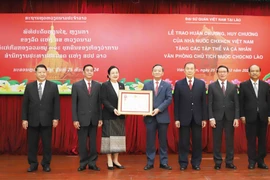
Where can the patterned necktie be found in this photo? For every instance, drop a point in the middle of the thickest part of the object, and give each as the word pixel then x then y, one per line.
pixel 190 84
pixel 255 89
pixel 40 90
pixel 156 89
pixel 223 87
pixel 89 88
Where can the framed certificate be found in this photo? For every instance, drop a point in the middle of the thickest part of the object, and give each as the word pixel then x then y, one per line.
pixel 135 102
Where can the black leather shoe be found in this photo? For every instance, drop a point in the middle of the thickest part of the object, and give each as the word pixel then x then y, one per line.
pixel 251 166
pixel 165 166
pixel 110 167
pixel 95 168
pixel 262 166
pixel 119 167
pixel 81 168
pixel 231 166
pixel 46 168
pixel 217 167
pixel 182 168
pixel 32 169
pixel 197 168
pixel 148 167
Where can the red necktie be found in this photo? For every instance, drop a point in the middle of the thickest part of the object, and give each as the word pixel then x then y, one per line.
pixel 190 84
pixel 89 88
pixel 223 87
pixel 156 90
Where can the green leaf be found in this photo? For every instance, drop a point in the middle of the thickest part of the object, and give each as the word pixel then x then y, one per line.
pixel 56 82
pixel 137 80
pixel 147 80
pixel 6 78
pixel 25 81
pixel 129 83
pixel 123 80
pixel 67 81
pixel 267 76
pixel 13 82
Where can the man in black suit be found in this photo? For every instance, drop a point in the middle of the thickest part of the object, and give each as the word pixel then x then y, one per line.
pixel 255 114
pixel 223 107
pixel 86 115
pixel 190 111
pixel 40 111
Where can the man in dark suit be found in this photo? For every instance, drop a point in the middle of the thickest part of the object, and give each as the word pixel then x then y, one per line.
pixel 255 114
pixel 86 115
pixel 223 107
pixel 159 120
pixel 190 111
pixel 40 111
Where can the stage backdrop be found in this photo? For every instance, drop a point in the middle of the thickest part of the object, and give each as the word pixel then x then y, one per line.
pixel 134 43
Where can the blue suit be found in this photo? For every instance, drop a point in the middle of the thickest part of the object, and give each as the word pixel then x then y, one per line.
pixel 159 122
pixel 190 109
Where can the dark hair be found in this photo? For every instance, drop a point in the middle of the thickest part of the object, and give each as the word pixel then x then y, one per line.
pixel 254 65
pixel 109 70
pixel 222 66
pixel 157 65
pixel 189 63
pixel 41 66
pixel 85 66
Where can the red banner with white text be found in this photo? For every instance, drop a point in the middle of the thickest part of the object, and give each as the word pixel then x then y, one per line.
pixel 133 43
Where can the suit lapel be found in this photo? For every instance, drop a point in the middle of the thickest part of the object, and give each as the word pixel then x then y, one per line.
pixel 121 86
pixel 219 88
pixel 251 87
pixel 84 87
pixel 112 89
pixel 36 90
pixel 152 86
pixel 186 84
pixel 46 89
pixel 228 88
pixel 160 87
pixel 260 88
pixel 93 86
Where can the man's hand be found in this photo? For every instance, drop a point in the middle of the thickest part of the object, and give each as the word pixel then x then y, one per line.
pixel 76 124
pixel 204 123
pixel 268 120
pixel 235 123
pixel 243 119
pixel 155 112
pixel 100 123
pixel 213 123
pixel 177 124
pixel 55 123
pixel 116 112
pixel 25 124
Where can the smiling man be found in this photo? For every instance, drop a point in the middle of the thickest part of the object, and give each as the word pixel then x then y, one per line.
pixel 190 113
pixel 159 120
pixel 223 108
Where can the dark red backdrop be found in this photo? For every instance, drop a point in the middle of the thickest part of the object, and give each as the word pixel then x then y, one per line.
pixel 13 137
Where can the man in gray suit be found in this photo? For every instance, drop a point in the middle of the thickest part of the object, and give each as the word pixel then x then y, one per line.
pixel 223 106
pixel 159 120
pixel 86 115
